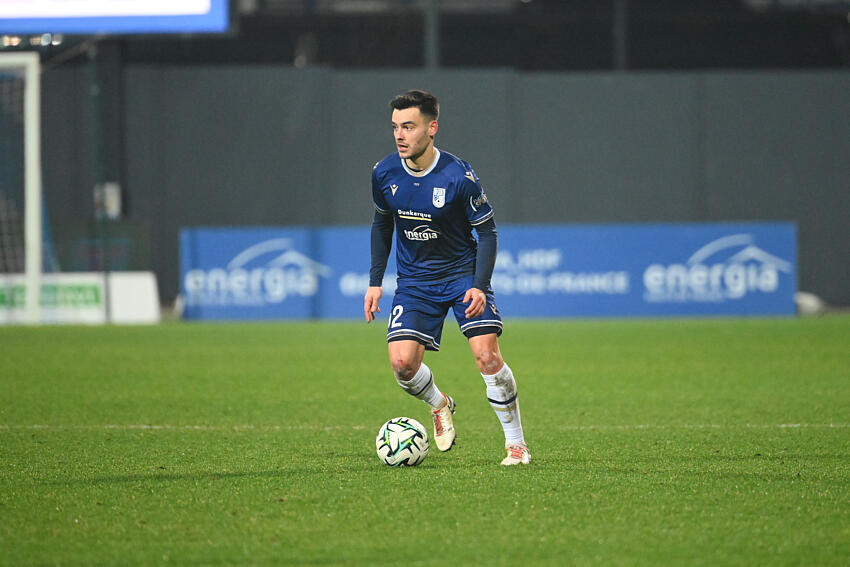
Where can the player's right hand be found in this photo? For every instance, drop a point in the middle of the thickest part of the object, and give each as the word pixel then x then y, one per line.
pixel 370 302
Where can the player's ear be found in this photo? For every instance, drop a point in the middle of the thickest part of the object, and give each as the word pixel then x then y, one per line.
pixel 432 128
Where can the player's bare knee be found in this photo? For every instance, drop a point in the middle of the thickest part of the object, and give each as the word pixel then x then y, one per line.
pixel 403 370
pixel 489 362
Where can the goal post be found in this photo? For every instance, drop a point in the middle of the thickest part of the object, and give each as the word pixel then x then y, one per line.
pixel 26 67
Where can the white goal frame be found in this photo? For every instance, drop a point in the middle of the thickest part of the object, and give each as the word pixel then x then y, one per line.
pixel 29 65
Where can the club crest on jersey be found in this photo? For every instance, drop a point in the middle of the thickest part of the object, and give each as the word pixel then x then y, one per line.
pixel 439 198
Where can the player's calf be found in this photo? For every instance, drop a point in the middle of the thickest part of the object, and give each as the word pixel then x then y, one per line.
pixel 503 398
pixel 421 385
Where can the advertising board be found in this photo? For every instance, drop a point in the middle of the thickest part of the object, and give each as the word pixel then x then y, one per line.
pixel 541 271
pixel 84 298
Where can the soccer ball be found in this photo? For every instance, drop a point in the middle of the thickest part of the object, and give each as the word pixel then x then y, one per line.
pixel 402 442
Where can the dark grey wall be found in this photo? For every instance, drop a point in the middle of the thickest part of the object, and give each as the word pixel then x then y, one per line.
pixel 778 146
pixel 277 146
pixel 67 154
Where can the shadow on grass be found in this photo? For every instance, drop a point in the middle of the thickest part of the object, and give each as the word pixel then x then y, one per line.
pixel 163 476
pixel 365 467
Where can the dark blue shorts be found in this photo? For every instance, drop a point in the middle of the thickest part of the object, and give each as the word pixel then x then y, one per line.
pixel 419 311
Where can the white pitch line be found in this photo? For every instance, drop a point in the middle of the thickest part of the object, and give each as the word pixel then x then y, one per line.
pixel 566 427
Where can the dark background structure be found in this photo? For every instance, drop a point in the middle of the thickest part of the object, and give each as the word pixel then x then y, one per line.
pixel 570 111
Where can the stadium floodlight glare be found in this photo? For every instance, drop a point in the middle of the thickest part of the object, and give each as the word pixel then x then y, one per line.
pixel 26 66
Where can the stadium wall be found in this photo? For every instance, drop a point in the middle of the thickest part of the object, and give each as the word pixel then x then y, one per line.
pixel 269 145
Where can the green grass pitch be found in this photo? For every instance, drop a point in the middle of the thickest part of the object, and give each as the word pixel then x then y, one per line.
pixel 654 442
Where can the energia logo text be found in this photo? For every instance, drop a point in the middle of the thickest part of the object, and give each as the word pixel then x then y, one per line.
pixel 249 280
pixel 748 269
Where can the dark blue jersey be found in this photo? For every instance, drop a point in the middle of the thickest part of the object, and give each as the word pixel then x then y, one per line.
pixel 434 212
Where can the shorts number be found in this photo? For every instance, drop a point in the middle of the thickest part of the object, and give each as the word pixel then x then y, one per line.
pixel 397 311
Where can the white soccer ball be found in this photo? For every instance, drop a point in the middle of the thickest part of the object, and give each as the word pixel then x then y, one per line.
pixel 402 442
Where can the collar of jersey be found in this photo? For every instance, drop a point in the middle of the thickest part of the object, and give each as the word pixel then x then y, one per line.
pixel 424 172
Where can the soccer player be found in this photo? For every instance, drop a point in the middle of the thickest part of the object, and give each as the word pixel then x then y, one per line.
pixel 432 200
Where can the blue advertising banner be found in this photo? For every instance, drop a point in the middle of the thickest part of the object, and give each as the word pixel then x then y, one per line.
pixel 647 270
pixel 541 271
pixel 250 273
pixel 276 272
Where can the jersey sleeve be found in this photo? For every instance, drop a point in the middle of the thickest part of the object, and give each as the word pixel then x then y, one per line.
pixel 378 195
pixel 381 244
pixel 478 209
pixel 485 259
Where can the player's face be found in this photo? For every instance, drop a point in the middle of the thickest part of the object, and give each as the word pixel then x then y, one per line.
pixel 413 132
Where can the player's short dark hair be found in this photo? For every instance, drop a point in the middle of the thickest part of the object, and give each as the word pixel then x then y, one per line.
pixel 427 103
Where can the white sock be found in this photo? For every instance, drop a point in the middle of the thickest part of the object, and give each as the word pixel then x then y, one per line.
pixel 502 395
pixel 422 386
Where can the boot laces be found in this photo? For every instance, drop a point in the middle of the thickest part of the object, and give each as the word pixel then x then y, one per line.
pixel 438 422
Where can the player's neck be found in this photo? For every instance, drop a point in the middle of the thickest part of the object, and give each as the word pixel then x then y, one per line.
pixel 423 161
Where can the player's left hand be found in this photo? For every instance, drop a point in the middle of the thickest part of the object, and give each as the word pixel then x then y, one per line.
pixel 477 302
pixel 370 302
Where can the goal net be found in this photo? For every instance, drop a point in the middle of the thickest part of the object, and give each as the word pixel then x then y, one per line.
pixel 21 211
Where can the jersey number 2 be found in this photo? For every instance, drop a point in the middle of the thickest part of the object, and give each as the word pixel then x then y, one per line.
pixel 397 311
